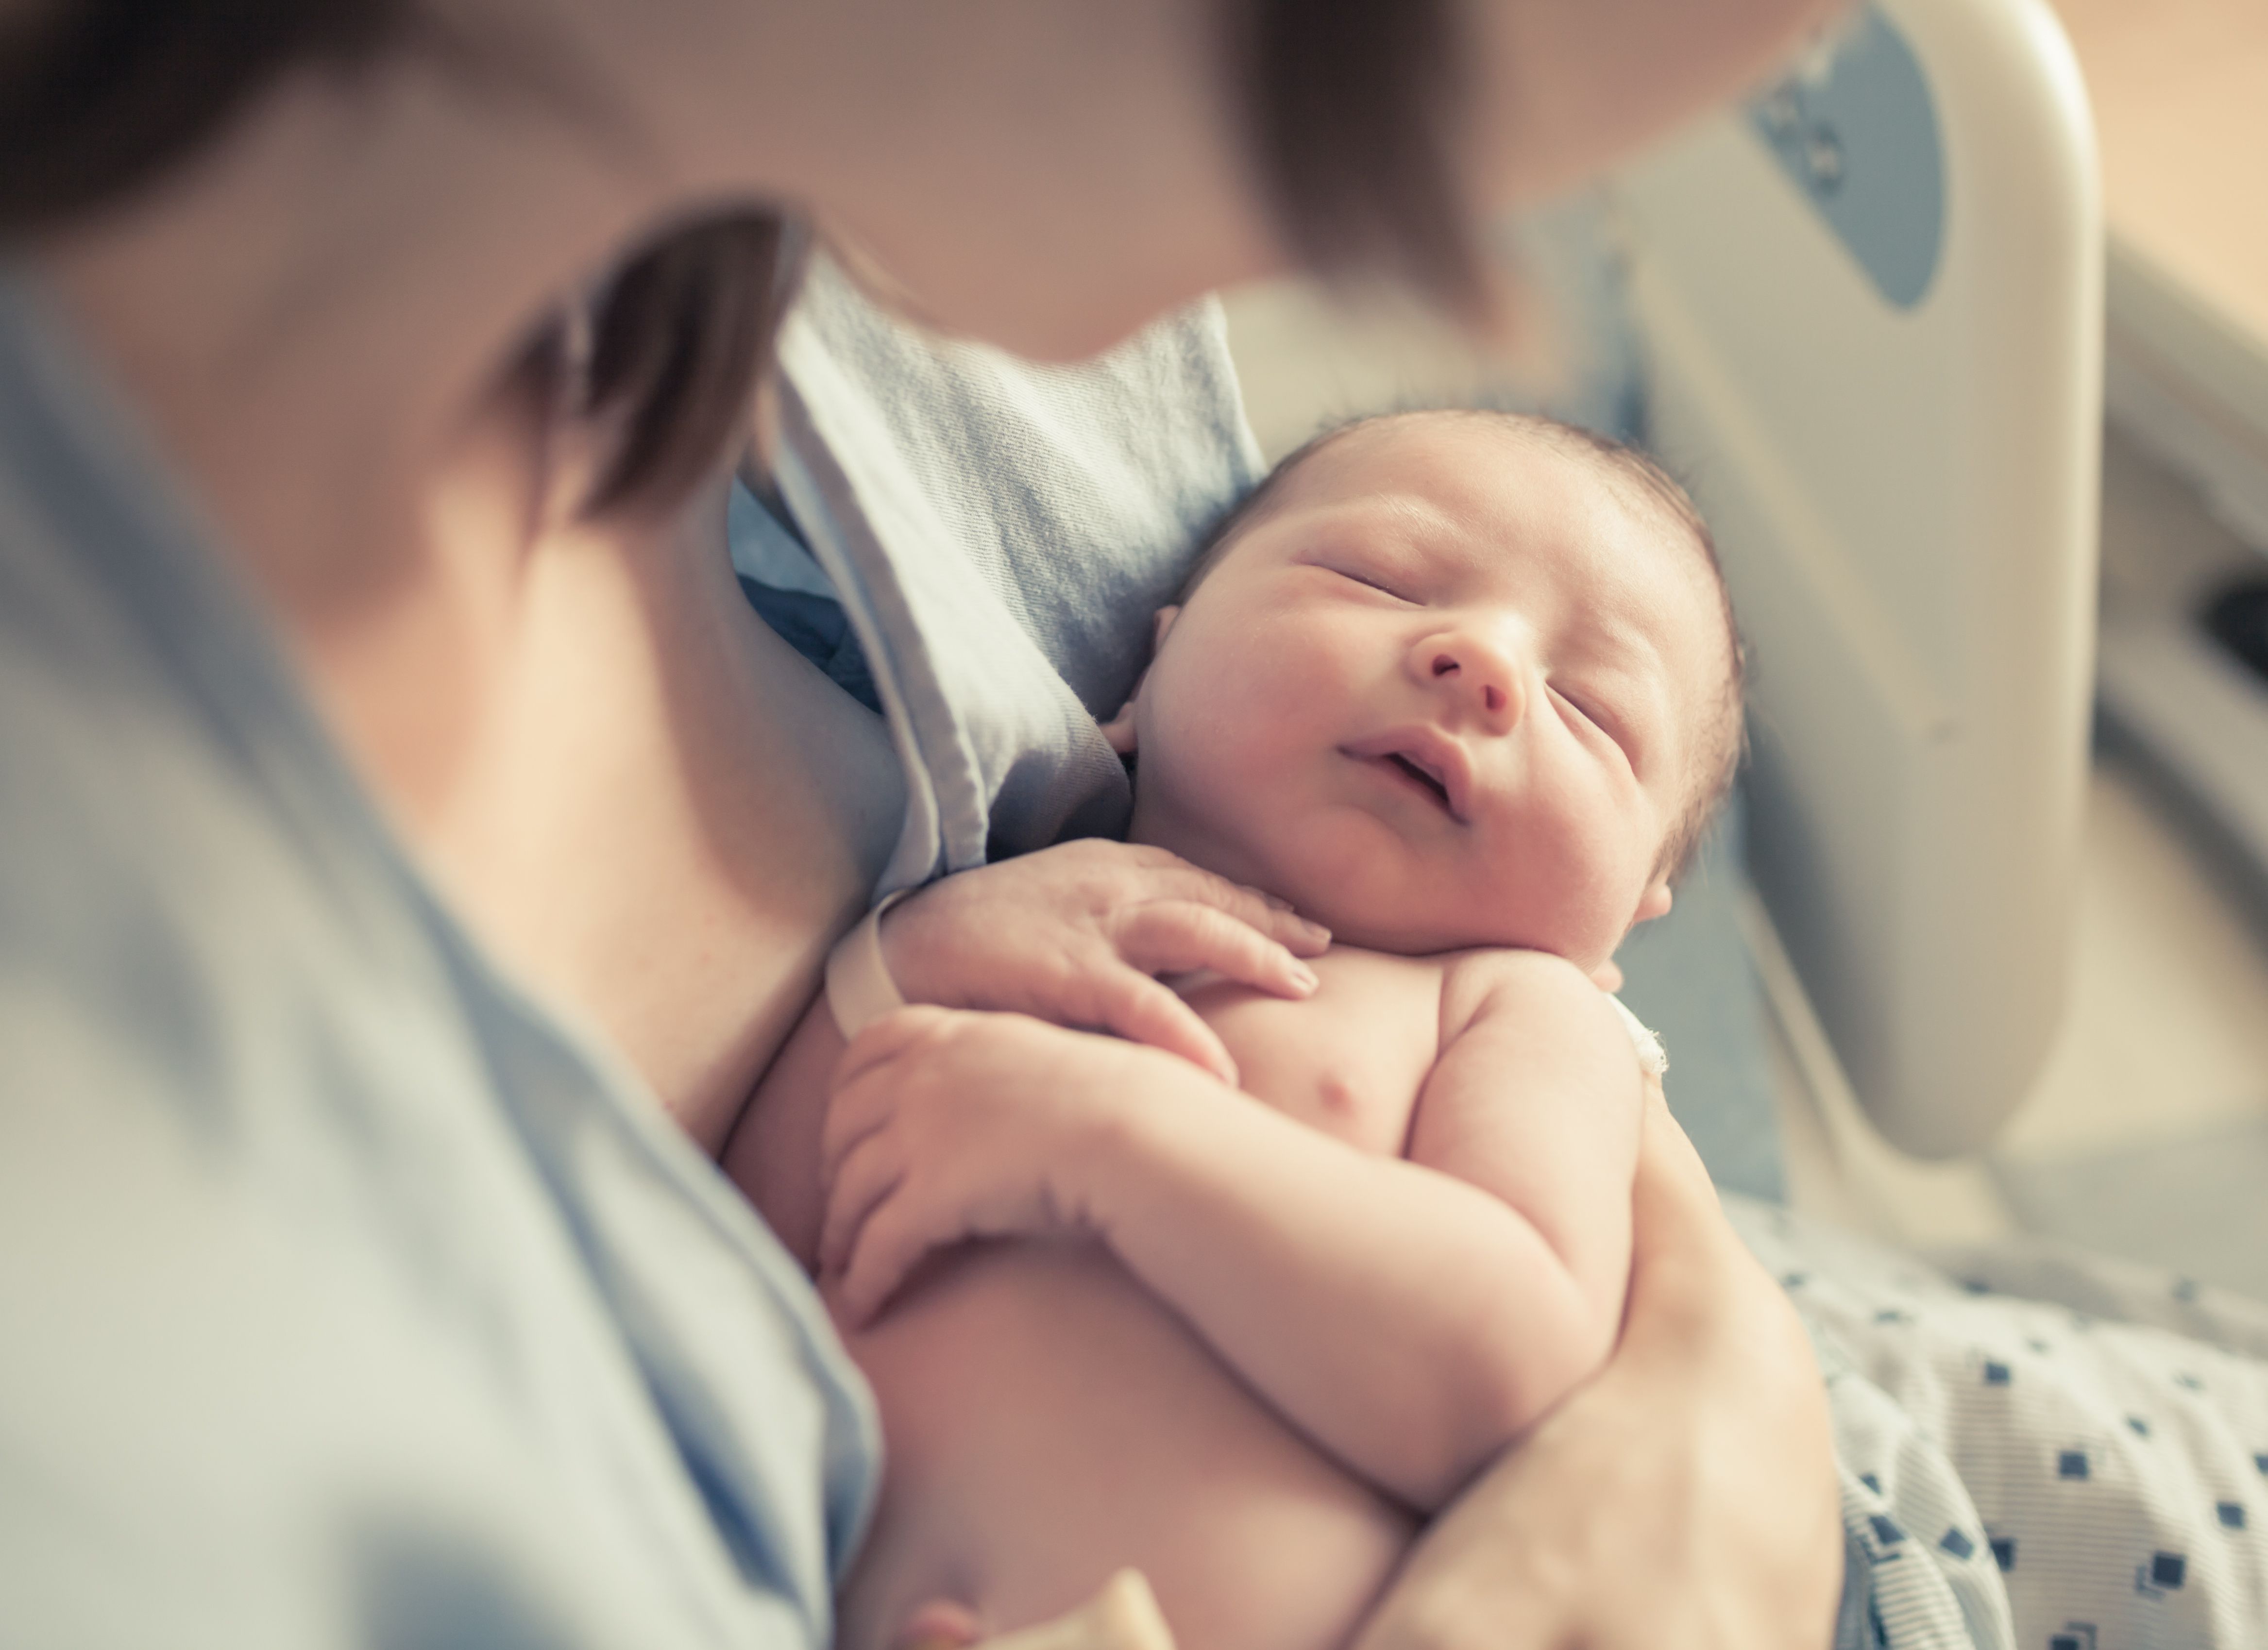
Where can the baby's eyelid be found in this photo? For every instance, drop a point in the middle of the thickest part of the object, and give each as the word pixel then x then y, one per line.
pixel 1604 719
pixel 1372 580
pixel 1357 568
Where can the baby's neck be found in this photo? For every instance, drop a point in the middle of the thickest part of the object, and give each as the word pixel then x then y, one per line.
pixel 1152 832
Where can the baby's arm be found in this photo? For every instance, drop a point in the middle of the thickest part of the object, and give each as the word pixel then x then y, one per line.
pixel 1538 1097
pixel 1071 935
pixel 1407 1314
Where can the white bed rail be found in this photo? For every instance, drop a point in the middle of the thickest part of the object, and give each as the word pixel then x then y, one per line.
pixel 1872 304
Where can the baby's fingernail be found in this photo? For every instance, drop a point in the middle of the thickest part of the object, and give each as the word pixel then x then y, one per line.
pixel 1305 977
pixel 1275 902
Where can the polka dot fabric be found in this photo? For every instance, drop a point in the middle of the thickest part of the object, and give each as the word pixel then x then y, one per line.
pixel 2041 1450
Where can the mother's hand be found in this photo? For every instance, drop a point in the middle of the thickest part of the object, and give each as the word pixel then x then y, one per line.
pixel 1686 1496
pixel 1075 935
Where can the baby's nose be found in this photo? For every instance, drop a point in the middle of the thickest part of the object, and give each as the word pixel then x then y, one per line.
pixel 1481 670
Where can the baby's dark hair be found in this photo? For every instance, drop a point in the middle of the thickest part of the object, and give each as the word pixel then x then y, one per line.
pixel 1646 485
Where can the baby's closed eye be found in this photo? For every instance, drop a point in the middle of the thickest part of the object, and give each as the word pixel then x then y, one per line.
pixel 1386 583
pixel 1600 714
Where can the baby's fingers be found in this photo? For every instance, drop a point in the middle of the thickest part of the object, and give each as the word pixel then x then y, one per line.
pixel 887 1038
pixel 888 1246
pixel 868 1174
pixel 1183 936
pixel 1140 1009
pixel 1273 918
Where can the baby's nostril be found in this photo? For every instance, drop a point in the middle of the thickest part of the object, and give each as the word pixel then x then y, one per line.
pixel 1494 697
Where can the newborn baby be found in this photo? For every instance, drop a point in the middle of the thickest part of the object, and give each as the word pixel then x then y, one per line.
pixel 1463 687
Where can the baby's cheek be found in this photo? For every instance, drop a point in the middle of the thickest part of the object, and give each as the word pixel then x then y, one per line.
pixel 1572 886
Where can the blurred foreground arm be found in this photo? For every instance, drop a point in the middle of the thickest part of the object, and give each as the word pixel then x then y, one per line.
pixel 1686 1496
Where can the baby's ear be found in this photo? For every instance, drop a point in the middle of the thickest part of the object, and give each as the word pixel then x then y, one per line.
pixel 1119 730
pixel 1653 902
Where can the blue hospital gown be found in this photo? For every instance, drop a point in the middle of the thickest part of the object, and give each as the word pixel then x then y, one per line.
pixel 346 1296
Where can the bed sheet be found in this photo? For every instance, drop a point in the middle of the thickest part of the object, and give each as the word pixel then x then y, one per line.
pixel 2039 1448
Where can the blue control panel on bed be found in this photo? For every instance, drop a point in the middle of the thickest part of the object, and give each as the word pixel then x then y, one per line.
pixel 1855 129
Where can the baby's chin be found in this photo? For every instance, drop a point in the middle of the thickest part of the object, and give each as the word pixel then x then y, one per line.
pixel 1386 910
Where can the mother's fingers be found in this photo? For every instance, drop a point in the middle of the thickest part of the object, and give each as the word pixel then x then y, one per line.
pixel 1675 1207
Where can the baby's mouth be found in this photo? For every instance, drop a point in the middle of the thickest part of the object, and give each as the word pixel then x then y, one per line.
pixel 1425 762
pixel 1423 777
pixel 1409 771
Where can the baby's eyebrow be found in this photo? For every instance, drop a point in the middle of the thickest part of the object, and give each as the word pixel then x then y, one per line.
pixel 1389 526
pixel 1639 672
pixel 1413 523
pixel 1620 646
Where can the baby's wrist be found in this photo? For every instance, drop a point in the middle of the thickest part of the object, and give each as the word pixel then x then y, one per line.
pixel 861 986
pixel 1132 1128
pixel 919 940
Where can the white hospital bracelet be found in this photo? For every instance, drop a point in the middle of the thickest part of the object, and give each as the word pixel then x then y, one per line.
pixel 1644 1039
pixel 859 989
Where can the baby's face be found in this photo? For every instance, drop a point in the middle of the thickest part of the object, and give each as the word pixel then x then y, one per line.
pixel 1451 689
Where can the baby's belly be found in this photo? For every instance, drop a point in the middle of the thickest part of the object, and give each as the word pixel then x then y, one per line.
pixel 1047 1422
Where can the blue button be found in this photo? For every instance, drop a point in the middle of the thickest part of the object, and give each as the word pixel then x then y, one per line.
pixel 1857 133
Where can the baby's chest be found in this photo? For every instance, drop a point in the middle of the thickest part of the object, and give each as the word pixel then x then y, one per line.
pixel 1351 1059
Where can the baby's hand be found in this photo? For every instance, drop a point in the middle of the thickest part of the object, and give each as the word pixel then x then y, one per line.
pixel 1075 935
pixel 944 1126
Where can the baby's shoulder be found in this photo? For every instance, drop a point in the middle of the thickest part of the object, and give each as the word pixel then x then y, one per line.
pixel 1489 968
pixel 1353 967
pixel 1492 981
pixel 1461 983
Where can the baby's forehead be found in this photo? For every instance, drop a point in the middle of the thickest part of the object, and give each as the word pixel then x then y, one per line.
pixel 1498 487
pixel 1455 462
